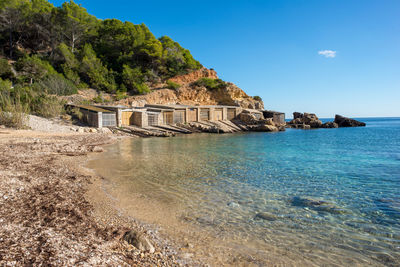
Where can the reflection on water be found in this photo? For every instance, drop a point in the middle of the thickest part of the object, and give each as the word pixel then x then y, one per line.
pixel 328 196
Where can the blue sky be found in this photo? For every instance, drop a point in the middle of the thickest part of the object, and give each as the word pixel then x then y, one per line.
pixel 270 48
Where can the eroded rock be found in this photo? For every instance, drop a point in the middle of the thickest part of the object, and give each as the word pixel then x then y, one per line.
pixel 347 122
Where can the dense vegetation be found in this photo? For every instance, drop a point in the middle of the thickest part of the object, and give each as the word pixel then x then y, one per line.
pixel 57 50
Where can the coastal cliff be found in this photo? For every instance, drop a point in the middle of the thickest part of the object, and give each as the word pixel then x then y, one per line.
pixel 191 93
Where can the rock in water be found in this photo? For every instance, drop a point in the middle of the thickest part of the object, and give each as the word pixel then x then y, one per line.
pixel 265 216
pixel 347 122
pixel 316 204
pixel 138 240
pixel 330 124
pixel 309 119
pixel 233 204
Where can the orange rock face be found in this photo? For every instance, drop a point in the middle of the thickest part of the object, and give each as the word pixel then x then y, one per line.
pixel 194 76
pixel 188 94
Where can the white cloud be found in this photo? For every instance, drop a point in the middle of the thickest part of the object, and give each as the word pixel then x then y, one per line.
pixel 327 53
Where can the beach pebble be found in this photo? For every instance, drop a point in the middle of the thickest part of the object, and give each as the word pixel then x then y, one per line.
pixel 233 204
pixel 139 240
pixel 265 216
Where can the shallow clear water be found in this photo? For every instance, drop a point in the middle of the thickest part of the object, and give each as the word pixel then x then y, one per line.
pixel 332 195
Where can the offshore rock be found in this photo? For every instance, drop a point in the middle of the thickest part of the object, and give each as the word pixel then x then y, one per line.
pixel 309 119
pixel 347 122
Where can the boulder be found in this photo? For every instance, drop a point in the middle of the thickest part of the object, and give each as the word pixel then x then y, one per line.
pixel 309 119
pixel 330 124
pixel 264 128
pixel 138 240
pixel 297 115
pixel 247 118
pixel 347 122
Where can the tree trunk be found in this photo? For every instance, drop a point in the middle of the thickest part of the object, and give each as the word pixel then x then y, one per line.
pixel 11 41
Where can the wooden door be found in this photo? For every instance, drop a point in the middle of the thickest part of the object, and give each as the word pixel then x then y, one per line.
pixel 126 117
pixel 179 116
pixel 218 114
pixel 168 117
pixel 152 119
pixel 192 114
pixel 231 113
pixel 204 114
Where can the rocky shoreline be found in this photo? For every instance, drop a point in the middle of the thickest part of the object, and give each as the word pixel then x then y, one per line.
pixel 54 212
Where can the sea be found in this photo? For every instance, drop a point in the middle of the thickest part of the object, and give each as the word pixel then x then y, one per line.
pixel 323 197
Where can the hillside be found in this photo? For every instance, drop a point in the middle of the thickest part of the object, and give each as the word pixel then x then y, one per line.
pixel 47 52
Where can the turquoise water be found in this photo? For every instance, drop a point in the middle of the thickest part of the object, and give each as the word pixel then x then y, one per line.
pixel 332 195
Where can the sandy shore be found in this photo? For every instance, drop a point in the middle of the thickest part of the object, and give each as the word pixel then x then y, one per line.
pixel 54 211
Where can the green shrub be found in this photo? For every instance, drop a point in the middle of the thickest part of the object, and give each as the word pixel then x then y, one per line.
pixel 5 69
pixel 47 106
pixel 97 75
pixel 56 84
pixel 32 68
pixel 133 80
pixel 211 84
pixel 120 95
pixel 76 113
pixel 13 113
pixel 172 85
pixel 258 98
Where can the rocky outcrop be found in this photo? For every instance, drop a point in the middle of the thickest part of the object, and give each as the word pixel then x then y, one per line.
pixel 251 123
pixel 191 94
pixel 310 120
pixel 347 122
pixel 305 121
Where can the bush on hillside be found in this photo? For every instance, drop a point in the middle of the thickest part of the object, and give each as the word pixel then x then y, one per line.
pixel 56 84
pixel 172 85
pixel 258 98
pixel 211 84
pixel 133 80
pixel 47 106
pixel 32 68
pixel 5 69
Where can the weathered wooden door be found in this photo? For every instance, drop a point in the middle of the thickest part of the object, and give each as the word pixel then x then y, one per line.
pixel 231 113
pixel 192 114
pixel 168 117
pixel 126 117
pixel 179 116
pixel 218 114
pixel 109 119
pixel 152 119
pixel 204 114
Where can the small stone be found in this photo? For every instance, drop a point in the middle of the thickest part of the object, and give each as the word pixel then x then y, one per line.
pixel 265 216
pixel 233 204
pixel 97 149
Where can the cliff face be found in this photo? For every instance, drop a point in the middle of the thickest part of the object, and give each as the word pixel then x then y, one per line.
pixel 190 94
